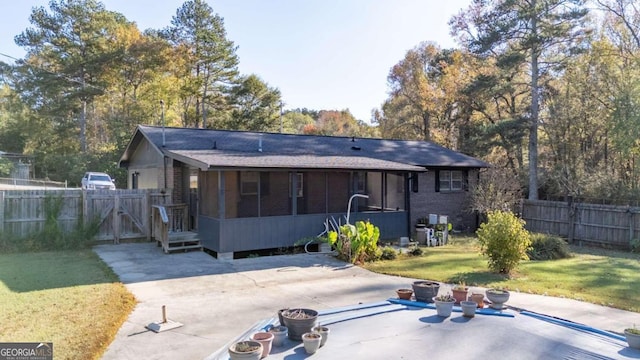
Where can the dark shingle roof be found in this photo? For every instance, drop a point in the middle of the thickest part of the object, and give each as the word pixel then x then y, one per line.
pixel 241 148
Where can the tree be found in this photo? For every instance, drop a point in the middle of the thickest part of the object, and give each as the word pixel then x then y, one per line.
pixel 538 33
pixel 426 101
pixel 256 106
pixel 416 96
pixel 210 63
pixel 68 51
pixel 294 121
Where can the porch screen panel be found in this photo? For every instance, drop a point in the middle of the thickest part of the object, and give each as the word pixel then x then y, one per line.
pixel 374 190
pixel 231 194
pixel 247 184
pixel 339 191
pixel 314 193
pixel 209 193
pixel 395 192
pixel 274 194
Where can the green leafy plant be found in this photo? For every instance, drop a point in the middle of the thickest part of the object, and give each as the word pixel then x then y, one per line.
pixel 415 250
pixel 633 330
pixel 504 240
pixel 52 236
pixel 447 297
pixel 6 166
pixel 548 247
pixel 635 245
pixel 388 253
pixel 356 243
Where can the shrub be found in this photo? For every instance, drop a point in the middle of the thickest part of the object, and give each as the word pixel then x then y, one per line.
pixel 504 240
pixel 415 251
pixel 548 247
pixel 388 253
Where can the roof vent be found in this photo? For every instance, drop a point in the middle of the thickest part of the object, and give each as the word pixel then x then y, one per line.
pixel 356 148
pixel 260 143
pixel 215 145
pixel 353 139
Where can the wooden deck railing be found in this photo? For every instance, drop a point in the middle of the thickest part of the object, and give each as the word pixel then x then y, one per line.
pixel 167 219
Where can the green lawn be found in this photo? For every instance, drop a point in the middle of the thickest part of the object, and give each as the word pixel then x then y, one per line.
pixel 598 276
pixel 69 298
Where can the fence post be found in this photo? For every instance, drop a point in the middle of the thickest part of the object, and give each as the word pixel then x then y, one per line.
pixel 1 211
pixel 571 219
pixel 116 219
pixel 85 208
pixel 631 228
pixel 149 213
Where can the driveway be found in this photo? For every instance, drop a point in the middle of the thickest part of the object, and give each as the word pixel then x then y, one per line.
pixel 218 300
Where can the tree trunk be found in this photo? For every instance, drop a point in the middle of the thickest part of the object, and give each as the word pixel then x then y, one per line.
pixel 83 126
pixel 533 124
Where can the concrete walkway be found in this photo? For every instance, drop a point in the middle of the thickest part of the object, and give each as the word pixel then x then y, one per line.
pixel 217 300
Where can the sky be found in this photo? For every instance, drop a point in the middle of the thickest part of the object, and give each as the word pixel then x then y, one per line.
pixel 321 54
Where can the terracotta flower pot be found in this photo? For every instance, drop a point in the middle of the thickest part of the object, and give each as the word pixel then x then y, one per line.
pixel 460 294
pixel 479 299
pixel 404 294
pixel 266 339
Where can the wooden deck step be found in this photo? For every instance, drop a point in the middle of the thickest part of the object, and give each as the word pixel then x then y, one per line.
pixel 183 241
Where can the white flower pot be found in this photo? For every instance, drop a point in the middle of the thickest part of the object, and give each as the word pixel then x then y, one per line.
pixel 444 308
pixel 632 339
pixel 311 341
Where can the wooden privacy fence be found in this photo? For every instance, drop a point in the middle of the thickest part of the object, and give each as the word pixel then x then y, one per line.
pixel 610 225
pixel 121 214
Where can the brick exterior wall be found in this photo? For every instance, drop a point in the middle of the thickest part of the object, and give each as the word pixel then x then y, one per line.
pixel 177 188
pixel 453 204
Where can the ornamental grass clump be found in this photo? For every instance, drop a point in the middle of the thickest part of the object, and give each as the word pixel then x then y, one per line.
pixel 504 240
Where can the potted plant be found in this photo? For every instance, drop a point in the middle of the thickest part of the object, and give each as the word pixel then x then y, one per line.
pixel 444 304
pixel 460 292
pixel 497 297
pixel 633 337
pixel 245 350
pixel 468 308
pixel 311 342
pixel 266 339
pixel 324 331
pixel 279 334
pixel 299 321
pixel 478 298
pixel 404 294
pixel 425 291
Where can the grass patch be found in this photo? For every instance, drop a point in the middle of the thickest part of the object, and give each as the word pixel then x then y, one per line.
pixel 598 276
pixel 69 298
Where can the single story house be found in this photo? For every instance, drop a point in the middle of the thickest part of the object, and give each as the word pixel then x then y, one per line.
pixel 251 191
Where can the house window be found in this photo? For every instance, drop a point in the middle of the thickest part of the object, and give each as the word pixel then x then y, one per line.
pixel 249 182
pixel 451 180
pixel 298 185
pixel 134 179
